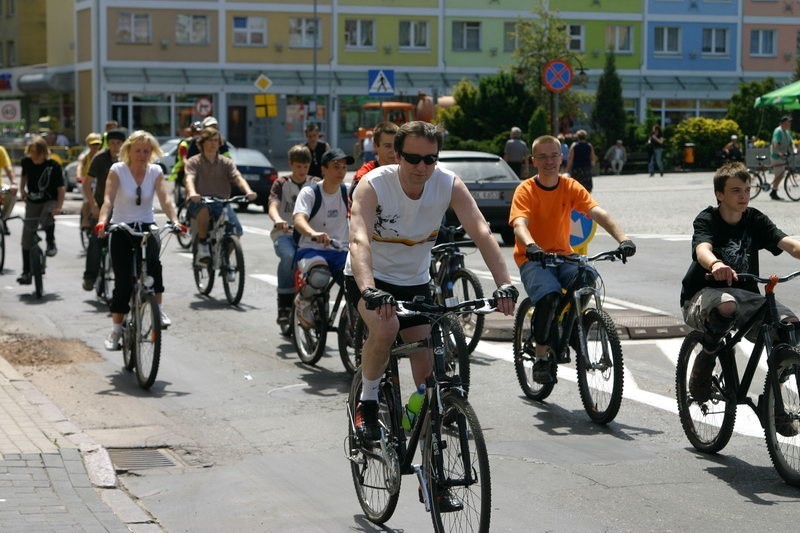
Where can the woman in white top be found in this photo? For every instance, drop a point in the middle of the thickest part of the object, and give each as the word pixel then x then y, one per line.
pixel 132 184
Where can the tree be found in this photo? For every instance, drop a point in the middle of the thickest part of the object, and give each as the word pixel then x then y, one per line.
pixel 608 114
pixel 758 122
pixel 539 40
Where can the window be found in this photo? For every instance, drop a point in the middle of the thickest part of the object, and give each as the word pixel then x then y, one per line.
pixel 191 29
pixel 466 36
pixel 510 39
pixel 715 41
pixel 413 34
pixel 575 37
pixel 359 33
pixel 249 31
pixel 133 28
pixel 762 43
pixel 667 40
pixel 11 54
pixel 11 8
pixel 303 33
pixel 619 39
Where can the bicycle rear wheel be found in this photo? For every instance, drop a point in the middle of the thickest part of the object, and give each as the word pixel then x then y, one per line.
pixel 346 334
pixel 600 370
pixel 524 354
pixel 756 183
pixel 232 269
pixel 463 474
pixel 184 239
pixel 2 244
pixel 708 425
pixel 791 184
pixel 376 476
pixel 84 234
pixel 148 341
pixel 37 269
pixel 781 414
pixel 467 286
pixel 310 342
pixel 203 274
pixel 128 338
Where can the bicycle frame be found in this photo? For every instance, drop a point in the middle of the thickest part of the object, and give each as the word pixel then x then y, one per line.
pixel 220 227
pixel 767 314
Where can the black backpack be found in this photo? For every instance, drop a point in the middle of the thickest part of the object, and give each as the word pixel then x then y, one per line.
pixel 318 203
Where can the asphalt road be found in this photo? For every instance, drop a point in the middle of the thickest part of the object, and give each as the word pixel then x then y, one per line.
pixel 256 438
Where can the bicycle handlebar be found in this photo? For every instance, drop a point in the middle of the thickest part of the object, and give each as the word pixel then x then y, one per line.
pixel 336 244
pixel 218 200
pixel 122 226
pixel 481 306
pixel 552 259
pixel 759 279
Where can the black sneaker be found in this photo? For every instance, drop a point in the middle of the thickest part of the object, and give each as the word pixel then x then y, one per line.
pixel 284 314
pixel 25 278
pixel 366 420
pixel 88 284
pixel 774 195
pixel 52 250
pixel 700 380
pixel 447 502
pixel 543 372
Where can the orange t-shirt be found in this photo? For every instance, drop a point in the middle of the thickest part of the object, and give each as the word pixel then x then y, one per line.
pixel 548 212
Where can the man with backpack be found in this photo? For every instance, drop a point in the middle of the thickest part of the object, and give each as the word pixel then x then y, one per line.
pixel 320 217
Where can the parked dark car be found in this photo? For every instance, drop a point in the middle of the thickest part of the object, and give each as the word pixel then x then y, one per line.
pixel 258 171
pixel 490 181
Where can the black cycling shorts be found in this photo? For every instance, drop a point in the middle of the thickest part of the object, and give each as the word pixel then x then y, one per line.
pixel 403 293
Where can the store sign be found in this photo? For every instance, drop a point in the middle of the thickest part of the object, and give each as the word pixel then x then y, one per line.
pixel 10 111
pixel 5 81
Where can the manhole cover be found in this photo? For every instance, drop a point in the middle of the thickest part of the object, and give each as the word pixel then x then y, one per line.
pixel 139 458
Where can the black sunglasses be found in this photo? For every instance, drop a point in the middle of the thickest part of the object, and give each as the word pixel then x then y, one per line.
pixel 414 159
pixel 138 195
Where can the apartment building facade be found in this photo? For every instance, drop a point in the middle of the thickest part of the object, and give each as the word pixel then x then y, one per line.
pixel 158 65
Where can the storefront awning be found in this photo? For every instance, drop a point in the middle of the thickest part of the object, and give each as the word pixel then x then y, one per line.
pixel 42 82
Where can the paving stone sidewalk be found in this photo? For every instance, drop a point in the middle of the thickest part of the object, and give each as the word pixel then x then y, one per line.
pixel 54 477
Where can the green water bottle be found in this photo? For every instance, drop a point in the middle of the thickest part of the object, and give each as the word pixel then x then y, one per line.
pixel 413 407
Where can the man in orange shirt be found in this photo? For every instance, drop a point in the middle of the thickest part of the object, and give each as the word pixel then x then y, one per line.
pixel 540 216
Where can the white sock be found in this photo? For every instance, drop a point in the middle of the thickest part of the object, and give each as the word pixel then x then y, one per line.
pixel 118 327
pixel 369 389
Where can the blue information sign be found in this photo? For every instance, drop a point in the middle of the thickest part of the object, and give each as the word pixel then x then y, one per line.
pixel 582 229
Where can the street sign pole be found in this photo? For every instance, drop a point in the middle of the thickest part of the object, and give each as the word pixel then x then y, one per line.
pixel 557 77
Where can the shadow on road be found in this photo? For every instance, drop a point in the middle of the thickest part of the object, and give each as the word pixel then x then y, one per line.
pixel 752 482
pixel 124 382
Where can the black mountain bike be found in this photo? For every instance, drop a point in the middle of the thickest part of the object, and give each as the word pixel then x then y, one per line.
pixel 709 424
pixel 589 331
pixel 38 259
pixel 449 277
pixel 455 463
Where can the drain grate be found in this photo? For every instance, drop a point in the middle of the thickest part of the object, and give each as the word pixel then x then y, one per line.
pixel 139 458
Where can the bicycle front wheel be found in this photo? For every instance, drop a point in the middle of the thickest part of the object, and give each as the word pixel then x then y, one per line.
pixel 524 353
pixel 376 475
pixel 148 341
pixel 708 424
pixel 781 414
pixel 105 278
pixel 203 274
pixel 37 269
pixel 456 354
pixel 232 269
pixel 756 184
pixel 128 338
pixel 467 286
pixel 345 336
pixel 791 184
pixel 184 239
pixel 310 341
pixel 458 477
pixel 84 234
pixel 600 371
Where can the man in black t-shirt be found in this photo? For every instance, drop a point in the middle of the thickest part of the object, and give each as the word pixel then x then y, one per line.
pixel 726 242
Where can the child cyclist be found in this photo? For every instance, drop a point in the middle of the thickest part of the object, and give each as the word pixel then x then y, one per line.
pixel 282 198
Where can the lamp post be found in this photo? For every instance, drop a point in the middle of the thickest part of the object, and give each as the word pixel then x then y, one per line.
pixel 312 108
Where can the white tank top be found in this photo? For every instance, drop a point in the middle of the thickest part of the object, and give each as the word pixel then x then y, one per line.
pixel 405 229
pixel 125 208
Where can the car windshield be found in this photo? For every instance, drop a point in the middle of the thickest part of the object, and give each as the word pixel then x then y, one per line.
pixel 250 158
pixel 479 169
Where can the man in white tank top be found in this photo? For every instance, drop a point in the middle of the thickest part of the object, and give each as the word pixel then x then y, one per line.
pixel 395 218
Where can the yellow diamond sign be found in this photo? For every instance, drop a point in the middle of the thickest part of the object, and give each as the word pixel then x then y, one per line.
pixel 263 83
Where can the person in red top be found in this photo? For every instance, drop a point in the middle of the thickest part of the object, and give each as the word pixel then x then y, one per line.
pixel 540 215
pixel 383 138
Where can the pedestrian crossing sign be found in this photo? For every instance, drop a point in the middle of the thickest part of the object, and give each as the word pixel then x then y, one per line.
pixel 380 82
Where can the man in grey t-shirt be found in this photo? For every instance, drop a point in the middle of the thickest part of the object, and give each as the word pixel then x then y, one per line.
pixel 516 153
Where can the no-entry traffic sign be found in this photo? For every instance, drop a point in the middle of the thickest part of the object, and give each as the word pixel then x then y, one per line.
pixel 202 107
pixel 557 76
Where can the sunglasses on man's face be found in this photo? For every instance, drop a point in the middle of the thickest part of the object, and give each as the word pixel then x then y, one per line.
pixel 138 195
pixel 414 159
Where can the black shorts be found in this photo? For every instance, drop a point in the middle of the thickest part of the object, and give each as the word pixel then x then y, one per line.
pixel 402 293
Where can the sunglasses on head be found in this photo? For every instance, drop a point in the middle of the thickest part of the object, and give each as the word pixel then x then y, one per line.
pixel 414 159
pixel 138 195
